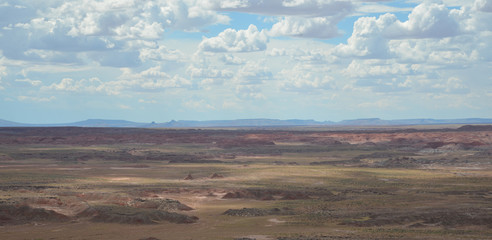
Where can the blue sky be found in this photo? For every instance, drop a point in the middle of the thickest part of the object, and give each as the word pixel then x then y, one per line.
pixel 65 61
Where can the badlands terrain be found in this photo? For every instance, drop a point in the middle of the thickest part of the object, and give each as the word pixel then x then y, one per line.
pixel 421 182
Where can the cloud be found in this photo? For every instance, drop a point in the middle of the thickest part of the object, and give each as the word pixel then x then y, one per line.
pixel 124 107
pixel 143 50
pixel 118 59
pixel 150 80
pixel 57 31
pixel 368 6
pixel 277 52
pixel 230 40
pixel 14 13
pixel 377 68
pixel 3 73
pixel 367 39
pixel 132 19
pixel 483 5
pixel 36 99
pixel 231 59
pixel 208 72
pixel 306 55
pixel 456 52
pixel 306 8
pixel 302 79
pixel 140 30
pixel 29 82
pixel 71 85
pixel 147 101
pixel 249 92
pixel 161 53
pixel 200 105
pixel 453 85
pixel 253 73
pixel 300 18
pixel 318 27
pixel 385 75
pixel 189 15
pixel 371 35
pixel 426 21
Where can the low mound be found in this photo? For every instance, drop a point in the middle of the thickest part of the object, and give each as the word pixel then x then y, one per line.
pixel 271 194
pixel 128 215
pixel 159 204
pixel 13 215
pixel 256 212
pixel 68 206
pixel 216 175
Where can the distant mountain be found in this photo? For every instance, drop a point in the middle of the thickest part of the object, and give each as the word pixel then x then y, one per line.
pixel 86 123
pixel 106 123
pixel 429 121
pixel 261 122
pixel 5 123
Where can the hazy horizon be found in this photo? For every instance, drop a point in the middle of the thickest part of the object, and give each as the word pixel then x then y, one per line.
pixel 326 60
pixel 256 121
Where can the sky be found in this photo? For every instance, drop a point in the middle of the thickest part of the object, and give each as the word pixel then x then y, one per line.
pixel 160 60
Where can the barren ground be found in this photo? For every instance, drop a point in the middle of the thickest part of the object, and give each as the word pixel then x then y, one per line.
pixel 282 184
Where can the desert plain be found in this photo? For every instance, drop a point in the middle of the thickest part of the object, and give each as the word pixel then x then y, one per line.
pixel 417 182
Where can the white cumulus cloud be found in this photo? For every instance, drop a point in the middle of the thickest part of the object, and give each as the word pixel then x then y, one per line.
pixel 230 40
pixel 253 73
pixel 317 27
pixel 426 21
pixel 367 39
pixel 302 79
pixel 149 80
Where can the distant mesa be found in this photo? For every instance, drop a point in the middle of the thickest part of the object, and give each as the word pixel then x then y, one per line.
pixel 260 122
